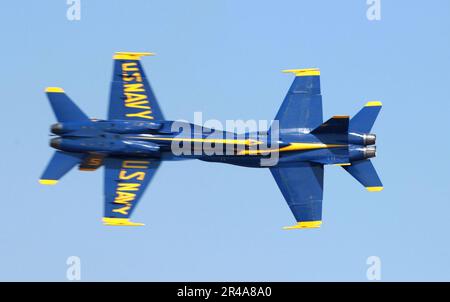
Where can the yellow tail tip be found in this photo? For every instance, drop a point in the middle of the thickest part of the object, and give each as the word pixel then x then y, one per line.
pixel 374 189
pixel 120 222
pixel 48 181
pixel 373 104
pixel 304 72
pixel 305 225
pixel 54 89
pixel 128 55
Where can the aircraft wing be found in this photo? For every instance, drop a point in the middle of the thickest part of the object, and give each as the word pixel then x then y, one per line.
pixel 302 187
pixel 125 181
pixel 302 106
pixel 131 97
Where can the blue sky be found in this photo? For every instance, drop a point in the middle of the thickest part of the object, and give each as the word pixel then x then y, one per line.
pixel 212 222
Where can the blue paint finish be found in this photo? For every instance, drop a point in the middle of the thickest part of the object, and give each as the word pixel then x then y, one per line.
pixel 136 138
pixel 64 108
pixel 117 110
pixel 302 187
pixel 302 106
pixel 364 172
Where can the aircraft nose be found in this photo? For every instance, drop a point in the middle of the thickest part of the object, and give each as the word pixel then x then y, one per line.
pixel 55 142
pixel 56 128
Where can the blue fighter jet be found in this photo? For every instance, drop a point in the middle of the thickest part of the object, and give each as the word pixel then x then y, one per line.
pixel 136 138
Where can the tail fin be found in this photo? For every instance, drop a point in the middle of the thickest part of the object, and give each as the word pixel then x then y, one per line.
pixel 64 108
pixel 59 165
pixel 336 124
pixel 363 121
pixel 333 131
pixel 364 172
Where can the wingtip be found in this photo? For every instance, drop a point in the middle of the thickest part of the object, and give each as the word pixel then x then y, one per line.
pixel 111 221
pixel 129 55
pixel 303 72
pixel 374 189
pixel 304 225
pixel 374 104
pixel 54 89
pixel 48 182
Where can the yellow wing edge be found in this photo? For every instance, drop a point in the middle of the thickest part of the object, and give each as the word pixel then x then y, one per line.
pixel 373 104
pixel 120 222
pixel 374 189
pixel 305 225
pixel 54 89
pixel 48 181
pixel 123 55
pixel 304 72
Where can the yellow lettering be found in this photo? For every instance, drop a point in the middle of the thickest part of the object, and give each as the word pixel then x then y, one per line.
pixel 123 210
pixel 124 197
pixel 138 175
pixel 134 97
pixel 138 105
pixel 143 114
pixel 128 186
pixel 134 87
pixel 130 77
pixel 135 164
pixel 130 66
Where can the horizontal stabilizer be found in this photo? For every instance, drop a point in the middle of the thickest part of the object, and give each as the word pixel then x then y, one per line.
pixel 364 172
pixel 64 108
pixel 59 165
pixel 363 121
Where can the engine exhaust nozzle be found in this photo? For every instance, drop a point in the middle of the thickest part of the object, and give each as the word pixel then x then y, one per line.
pixel 369 139
pixel 55 142
pixel 370 151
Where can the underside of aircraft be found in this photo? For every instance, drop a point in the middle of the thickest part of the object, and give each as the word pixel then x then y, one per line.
pixel 135 138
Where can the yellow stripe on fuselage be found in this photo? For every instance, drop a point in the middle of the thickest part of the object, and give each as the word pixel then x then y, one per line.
pixel 293 147
pixel 246 142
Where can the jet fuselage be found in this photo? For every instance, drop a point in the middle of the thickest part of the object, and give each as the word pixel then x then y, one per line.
pixel 174 140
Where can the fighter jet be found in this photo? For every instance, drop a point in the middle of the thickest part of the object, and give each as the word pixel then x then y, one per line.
pixel 135 138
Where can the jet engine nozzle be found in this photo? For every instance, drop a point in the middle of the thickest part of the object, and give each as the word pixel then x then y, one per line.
pixel 362 139
pixel 56 128
pixel 369 139
pixel 55 142
pixel 370 151
pixel 360 153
